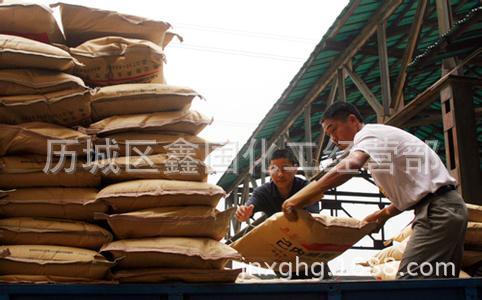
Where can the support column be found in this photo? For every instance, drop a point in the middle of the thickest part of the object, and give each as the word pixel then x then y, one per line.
pixel 384 72
pixel 308 139
pixel 461 147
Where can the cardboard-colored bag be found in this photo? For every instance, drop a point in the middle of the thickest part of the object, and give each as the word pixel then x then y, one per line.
pixel 116 60
pixel 151 193
pixel 170 252
pixel 133 143
pixel 19 52
pixel 29 171
pixel 475 213
pixel 68 108
pixel 62 203
pixel 187 221
pixel 34 138
pixel 82 23
pixel 155 275
pixel 43 231
pixel 473 236
pixel 129 99
pixel 158 166
pixel 33 21
pixel 52 261
pixel 312 238
pixel 188 122
pixel 15 82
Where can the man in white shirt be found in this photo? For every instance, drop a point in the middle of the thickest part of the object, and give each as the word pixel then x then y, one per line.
pixel 411 176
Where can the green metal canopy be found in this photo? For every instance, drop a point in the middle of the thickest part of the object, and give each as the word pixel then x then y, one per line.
pixel 348 30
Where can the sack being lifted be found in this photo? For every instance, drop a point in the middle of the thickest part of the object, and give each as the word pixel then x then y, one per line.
pixel 312 238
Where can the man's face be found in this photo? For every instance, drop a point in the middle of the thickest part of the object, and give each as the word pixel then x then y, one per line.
pixel 341 132
pixel 282 172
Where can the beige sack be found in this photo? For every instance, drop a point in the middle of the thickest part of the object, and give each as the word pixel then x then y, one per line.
pixel 31 21
pixel 34 138
pixel 62 203
pixel 116 60
pixel 129 99
pixel 170 252
pixel 18 52
pixel 158 166
pixel 66 108
pixel 473 236
pixel 82 23
pixel 133 143
pixel 391 253
pixel 154 275
pixel 143 194
pixel 403 235
pixel 14 82
pixel 28 171
pixel 52 261
pixel 312 238
pixel 43 231
pixel 188 221
pixel 475 213
pixel 188 122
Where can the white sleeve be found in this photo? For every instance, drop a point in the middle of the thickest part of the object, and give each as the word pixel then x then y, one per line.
pixel 368 144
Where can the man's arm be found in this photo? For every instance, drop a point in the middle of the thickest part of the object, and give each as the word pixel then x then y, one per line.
pixel 256 203
pixel 314 191
pixel 381 216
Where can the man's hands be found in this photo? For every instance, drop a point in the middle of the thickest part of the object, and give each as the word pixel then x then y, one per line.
pixel 243 213
pixel 382 216
pixel 289 210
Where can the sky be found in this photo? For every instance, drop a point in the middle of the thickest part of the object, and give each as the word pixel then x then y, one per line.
pixel 241 55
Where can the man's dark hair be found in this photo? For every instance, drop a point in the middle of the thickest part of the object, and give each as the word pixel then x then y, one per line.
pixel 341 111
pixel 284 153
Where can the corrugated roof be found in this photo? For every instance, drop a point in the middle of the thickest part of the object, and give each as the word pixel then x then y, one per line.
pixel 464 37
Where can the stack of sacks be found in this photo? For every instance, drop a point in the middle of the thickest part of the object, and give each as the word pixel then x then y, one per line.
pixel 45 229
pixel 148 153
pixel 167 230
pixel 114 48
pixel 49 198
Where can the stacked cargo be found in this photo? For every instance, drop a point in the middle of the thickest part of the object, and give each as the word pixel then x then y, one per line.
pixel 138 141
pixel 45 231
